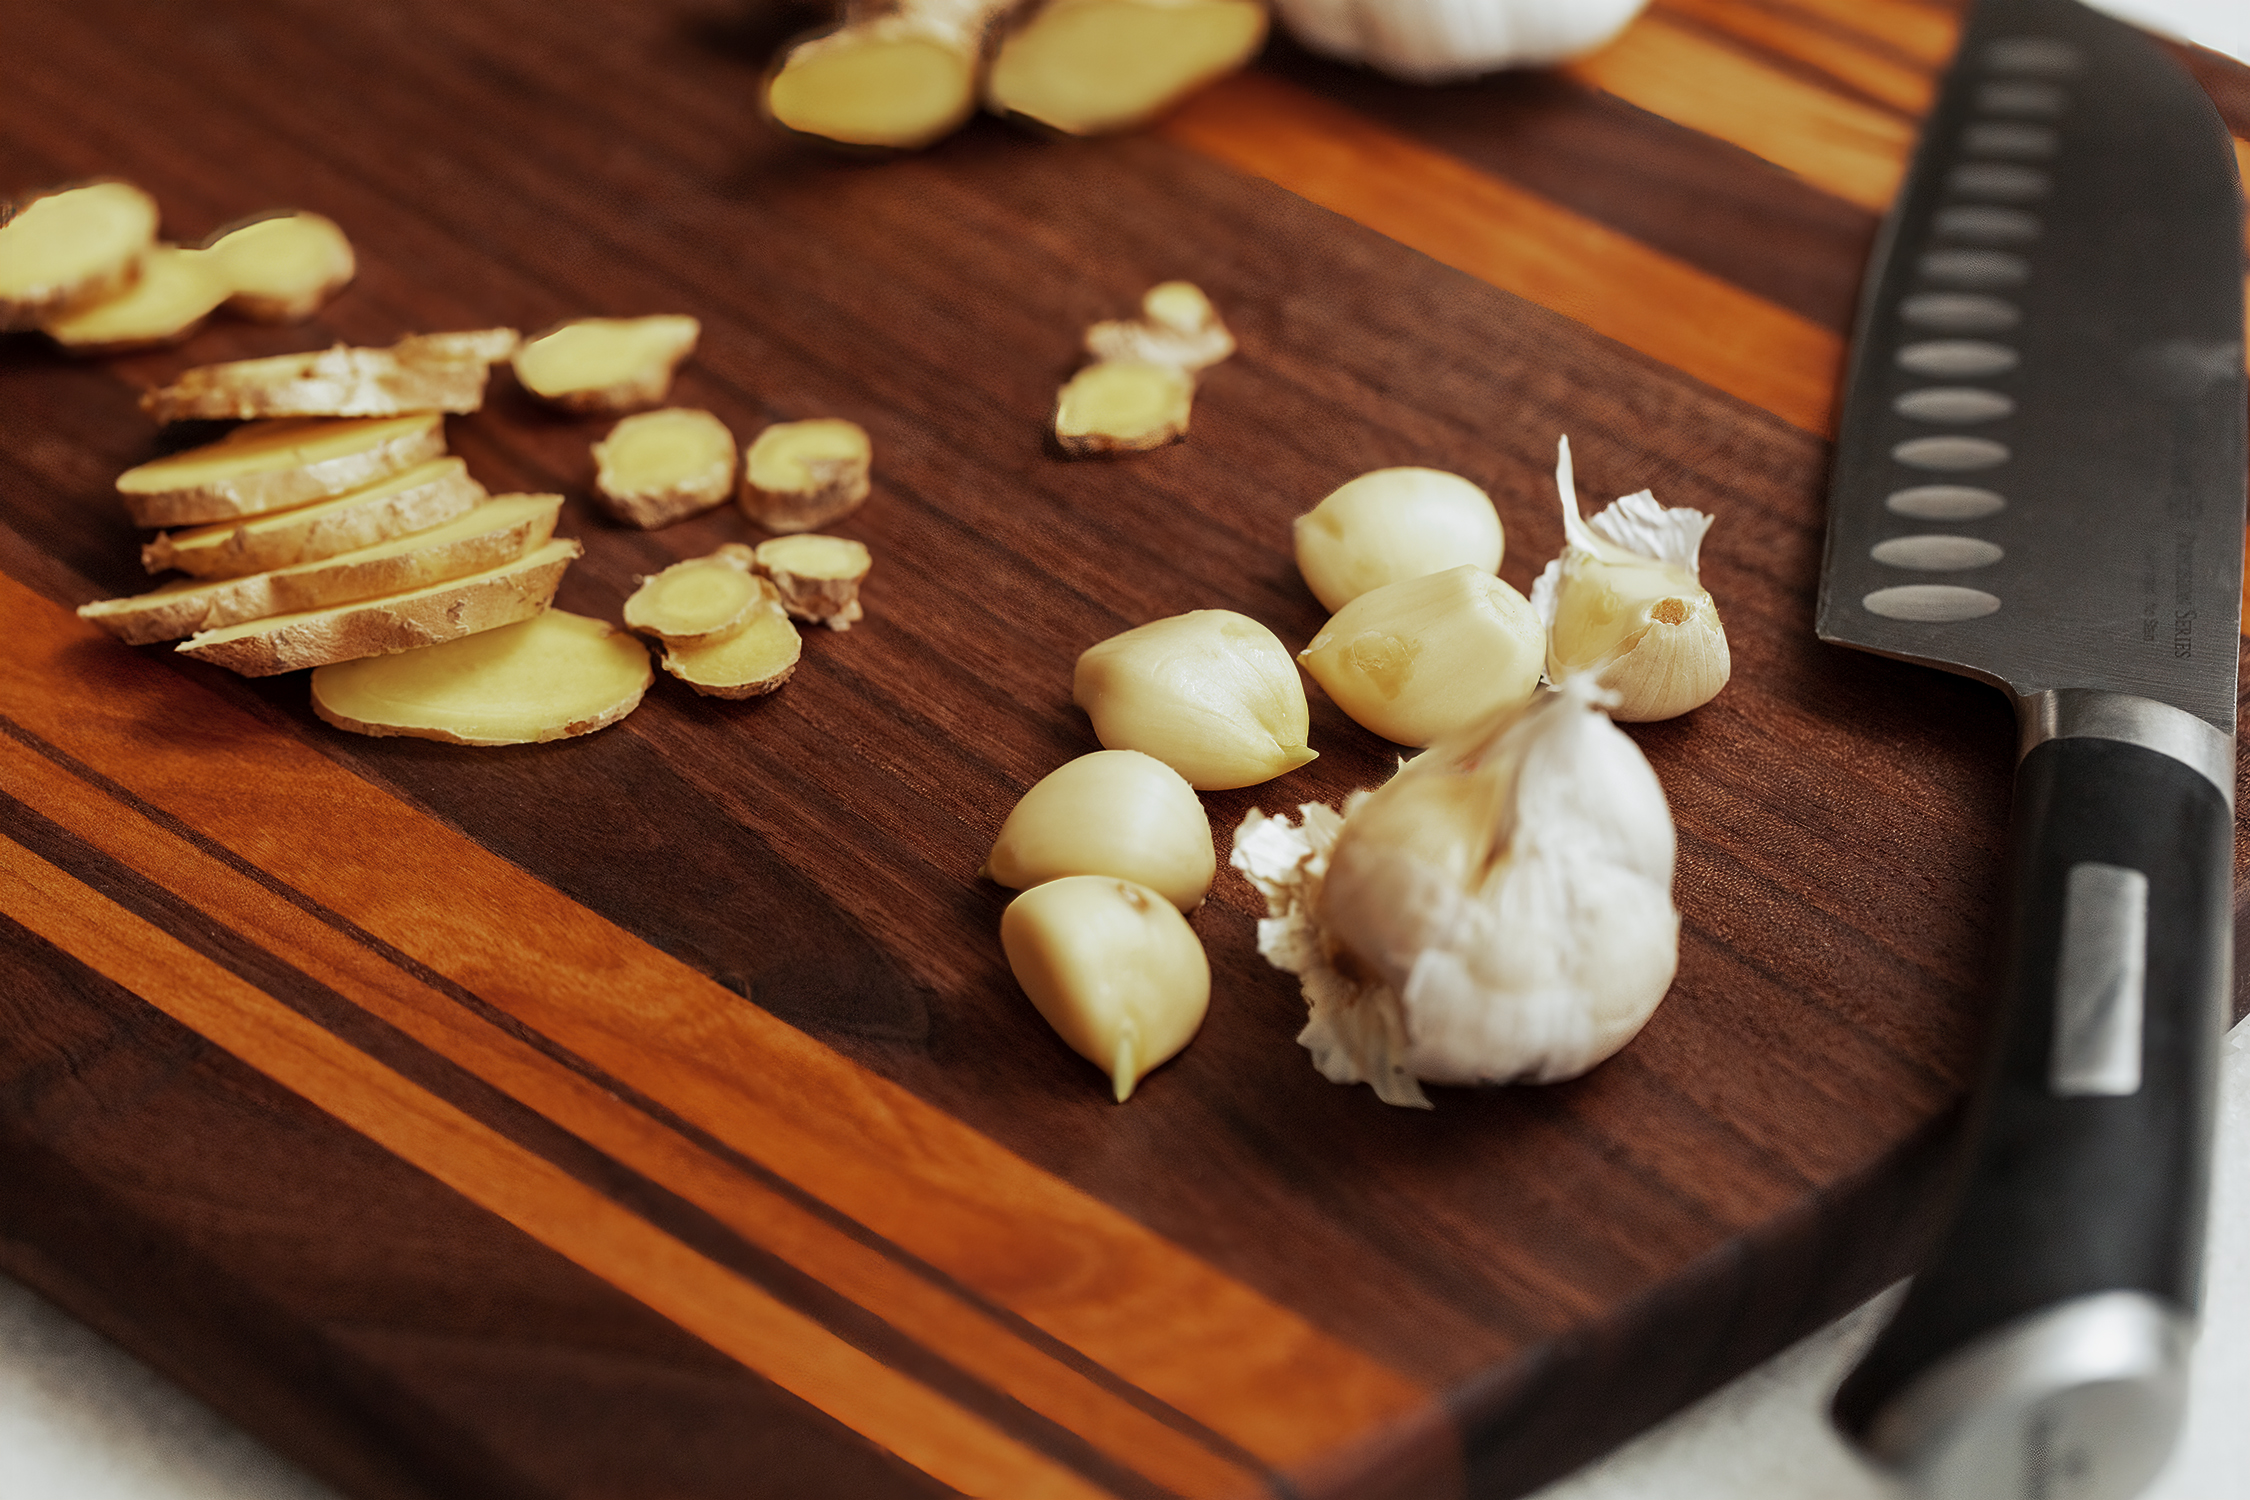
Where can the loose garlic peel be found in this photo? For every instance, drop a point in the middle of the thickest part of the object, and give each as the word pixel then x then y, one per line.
pixel 1426 657
pixel 1114 812
pixel 1626 601
pixel 1500 910
pixel 1391 525
pixel 1113 967
pixel 1211 693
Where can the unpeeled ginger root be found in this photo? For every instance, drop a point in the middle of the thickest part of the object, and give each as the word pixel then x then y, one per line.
pixel 1626 602
pixel 1211 693
pixel 1114 812
pixel 1500 910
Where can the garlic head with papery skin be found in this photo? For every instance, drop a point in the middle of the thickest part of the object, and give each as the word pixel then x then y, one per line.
pixel 1500 910
pixel 1211 693
pixel 1433 41
pixel 1626 602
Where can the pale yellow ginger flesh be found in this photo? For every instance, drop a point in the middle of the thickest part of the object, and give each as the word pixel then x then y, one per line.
pixel 176 291
pixel 802 475
pixel 415 499
pixel 756 657
pixel 64 249
pixel 1115 812
pixel 1178 326
pixel 1090 67
pixel 1113 967
pixel 896 80
pixel 695 601
pixel 551 677
pixel 1123 406
pixel 606 365
pixel 268 466
pixel 282 266
pixel 424 373
pixel 396 622
pixel 494 533
pixel 658 467
pixel 818 576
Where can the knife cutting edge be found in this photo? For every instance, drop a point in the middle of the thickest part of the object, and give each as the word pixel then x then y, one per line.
pixel 2039 483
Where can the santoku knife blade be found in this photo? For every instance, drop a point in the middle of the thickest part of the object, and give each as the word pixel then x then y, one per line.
pixel 2039 482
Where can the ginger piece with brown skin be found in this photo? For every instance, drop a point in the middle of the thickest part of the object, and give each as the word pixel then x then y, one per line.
pixel 664 466
pixel 412 500
pixel 696 601
pixel 427 372
pixel 282 266
pixel 755 657
pixel 817 576
pixel 551 677
pixel 1093 67
pixel 897 74
pixel 606 365
pixel 267 466
pixel 1178 326
pixel 799 475
pixel 177 289
pixel 62 250
pixel 1139 392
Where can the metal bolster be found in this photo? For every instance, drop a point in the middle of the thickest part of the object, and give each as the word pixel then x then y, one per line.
pixel 2082 1400
pixel 2083 713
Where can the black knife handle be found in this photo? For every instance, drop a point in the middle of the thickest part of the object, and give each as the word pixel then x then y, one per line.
pixel 2041 1352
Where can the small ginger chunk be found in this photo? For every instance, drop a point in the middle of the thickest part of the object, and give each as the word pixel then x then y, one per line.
pixel 818 576
pixel 801 475
pixel 658 467
pixel 1123 406
pixel 1092 67
pixel 551 677
pixel 1178 326
pixel 755 657
pixel 177 289
pixel 695 601
pixel 65 249
pixel 423 373
pixel 282 266
pixel 599 365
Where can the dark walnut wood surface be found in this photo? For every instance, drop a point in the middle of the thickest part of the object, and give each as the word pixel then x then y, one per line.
pixel 653 1114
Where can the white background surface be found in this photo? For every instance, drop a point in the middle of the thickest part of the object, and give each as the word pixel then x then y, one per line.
pixel 80 1420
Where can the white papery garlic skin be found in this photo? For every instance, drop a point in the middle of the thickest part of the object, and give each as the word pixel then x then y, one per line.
pixel 1500 910
pixel 1432 41
pixel 1626 601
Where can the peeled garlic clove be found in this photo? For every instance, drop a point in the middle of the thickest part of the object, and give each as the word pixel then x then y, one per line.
pixel 1113 967
pixel 1114 812
pixel 1625 602
pixel 1424 657
pixel 1210 693
pixel 1391 525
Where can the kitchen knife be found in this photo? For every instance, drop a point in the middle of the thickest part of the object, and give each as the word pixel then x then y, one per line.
pixel 2039 482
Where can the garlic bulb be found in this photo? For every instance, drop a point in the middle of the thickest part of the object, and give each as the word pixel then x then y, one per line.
pixel 1114 812
pixel 1626 601
pixel 1391 525
pixel 1211 693
pixel 1500 910
pixel 1432 41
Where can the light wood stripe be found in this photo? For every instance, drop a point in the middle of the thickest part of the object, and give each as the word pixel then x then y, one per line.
pixel 761 1215
pixel 795 1353
pixel 1086 1274
pixel 1519 241
pixel 1926 33
pixel 1880 74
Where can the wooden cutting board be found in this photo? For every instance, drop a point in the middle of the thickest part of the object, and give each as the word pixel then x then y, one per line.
pixel 653 1115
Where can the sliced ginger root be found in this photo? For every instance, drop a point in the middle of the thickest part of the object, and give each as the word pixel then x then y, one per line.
pixel 267 466
pixel 696 601
pixel 551 677
pixel 1139 391
pixel 755 657
pixel 65 249
pixel 177 289
pixel 818 577
pixel 429 494
pixel 606 365
pixel 424 373
pixel 898 79
pixel 1178 326
pixel 282 266
pixel 1090 67
pixel 800 475
pixel 663 466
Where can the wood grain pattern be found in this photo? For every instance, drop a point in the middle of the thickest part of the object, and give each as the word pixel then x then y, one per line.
pixel 654 1113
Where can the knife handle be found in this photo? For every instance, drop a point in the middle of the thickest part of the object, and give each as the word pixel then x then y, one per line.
pixel 2042 1352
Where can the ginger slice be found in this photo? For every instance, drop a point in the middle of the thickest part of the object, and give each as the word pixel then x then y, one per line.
pixel 551 677
pixel 267 466
pixel 396 622
pixel 756 657
pixel 606 364
pixel 1123 406
pixel 64 249
pixel 664 466
pixel 496 532
pixel 898 79
pixel 817 576
pixel 177 289
pixel 799 475
pixel 428 372
pixel 282 266
pixel 695 601
pixel 1090 67
pixel 417 499
pixel 1178 326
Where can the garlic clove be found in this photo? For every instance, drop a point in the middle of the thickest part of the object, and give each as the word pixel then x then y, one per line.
pixel 1211 693
pixel 1424 657
pixel 1114 812
pixel 1391 525
pixel 1440 41
pixel 1113 967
